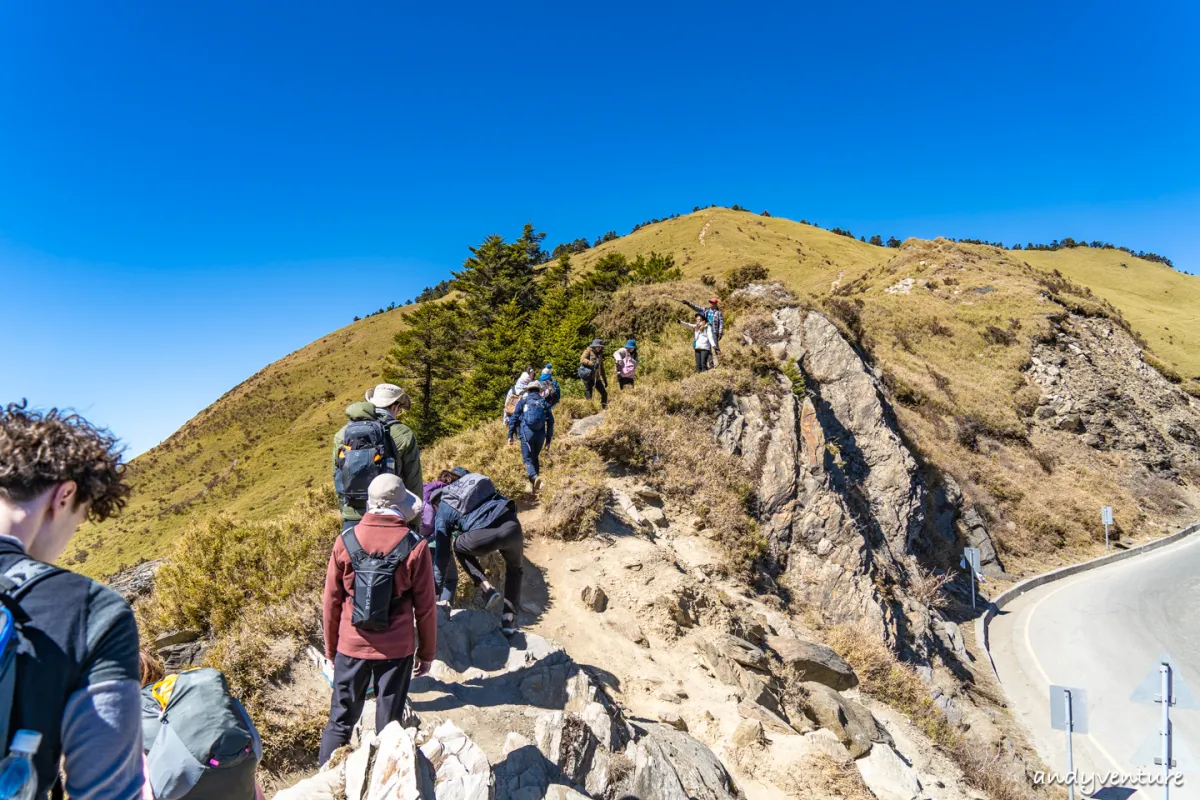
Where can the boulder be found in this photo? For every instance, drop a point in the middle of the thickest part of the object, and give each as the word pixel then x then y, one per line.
pixel 655 516
pixel 560 792
pixel 185 636
pixel 400 770
pixel 584 426
pixel 136 581
pixel 462 768
pixel 328 784
pixel 671 765
pixel 888 776
pixel 178 657
pixel 815 662
pixel 749 710
pixel 730 658
pixel 567 741
pixel 674 719
pixel 1071 423
pixel 523 772
pixel 853 724
pixel 649 494
pixel 594 598
pixel 749 733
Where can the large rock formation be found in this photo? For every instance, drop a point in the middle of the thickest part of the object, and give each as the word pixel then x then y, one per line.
pixel 840 497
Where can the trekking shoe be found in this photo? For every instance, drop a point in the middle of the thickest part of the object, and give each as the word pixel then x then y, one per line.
pixel 530 486
pixel 508 625
pixel 537 483
pixel 493 600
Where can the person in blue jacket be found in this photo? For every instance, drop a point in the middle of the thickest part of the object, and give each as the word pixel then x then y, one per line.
pixel 533 421
pixel 551 393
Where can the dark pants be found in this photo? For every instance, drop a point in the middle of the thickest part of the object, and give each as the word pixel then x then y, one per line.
pixel 351 677
pixel 503 537
pixel 623 382
pixel 445 571
pixel 531 450
pixel 703 360
pixel 599 387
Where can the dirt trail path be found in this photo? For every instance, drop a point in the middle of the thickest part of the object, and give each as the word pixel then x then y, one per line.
pixel 704 230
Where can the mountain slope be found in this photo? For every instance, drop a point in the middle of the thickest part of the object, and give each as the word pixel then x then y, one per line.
pixel 925 312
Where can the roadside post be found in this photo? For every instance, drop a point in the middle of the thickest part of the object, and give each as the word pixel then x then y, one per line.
pixel 1068 712
pixel 1106 518
pixel 1163 685
pixel 970 561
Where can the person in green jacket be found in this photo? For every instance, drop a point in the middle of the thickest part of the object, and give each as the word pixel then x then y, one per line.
pixel 384 404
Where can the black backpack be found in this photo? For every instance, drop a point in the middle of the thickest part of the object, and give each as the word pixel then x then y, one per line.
pixel 14 583
pixel 375 580
pixel 367 451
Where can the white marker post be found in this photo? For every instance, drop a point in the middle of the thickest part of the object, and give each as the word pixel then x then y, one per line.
pixel 1165 670
pixel 1106 518
pixel 1068 712
pixel 970 561
pixel 1163 685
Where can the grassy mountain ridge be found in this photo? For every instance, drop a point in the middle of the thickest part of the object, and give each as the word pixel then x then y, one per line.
pixel 262 444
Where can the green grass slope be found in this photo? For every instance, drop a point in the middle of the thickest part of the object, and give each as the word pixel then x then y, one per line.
pixel 258 448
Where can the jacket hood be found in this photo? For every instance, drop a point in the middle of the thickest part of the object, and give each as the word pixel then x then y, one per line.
pixel 360 411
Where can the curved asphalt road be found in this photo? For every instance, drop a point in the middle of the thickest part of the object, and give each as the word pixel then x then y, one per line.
pixel 1102 631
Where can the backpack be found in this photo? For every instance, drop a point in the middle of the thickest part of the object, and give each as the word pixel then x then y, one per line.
pixel 469 492
pixel 584 372
pixel 366 453
pixel 535 414
pixel 510 403
pixel 374 581
pixel 627 367
pixel 200 743
pixel 16 581
pixel 551 392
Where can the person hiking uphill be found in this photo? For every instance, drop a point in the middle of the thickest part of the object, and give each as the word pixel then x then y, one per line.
pixel 379 611
pixel 715 318
pixel 533 421
pixel 517 391
pixel 446 582
pixel 371 443
pixel 591 372
pixel 627 363
pixel 72 648
pixel 551 393
pixel 702 341
pixel 479 520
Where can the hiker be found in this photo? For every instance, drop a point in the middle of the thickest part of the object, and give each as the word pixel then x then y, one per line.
pixel 193 712
pixel 533 421
pixel 371 443
pixel 479 520
pixel 591 372
pixel 379 592
pixel 445 570
pixel 715 318
pixel 702 341
pixel 516 391
pixel 551 393
pixel 72 648
pixel 627 363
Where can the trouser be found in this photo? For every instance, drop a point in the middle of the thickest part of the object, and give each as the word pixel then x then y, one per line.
pixel 702 360
pixel 503 537
pixel 531 450
pixel 623 382
pixel 445 570
pixel 599 387
pixel 351 677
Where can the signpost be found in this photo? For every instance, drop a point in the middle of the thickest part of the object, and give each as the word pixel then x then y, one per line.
pixel 1106 518
pixel 1163 685
pixel 970 560
pixel 1068 712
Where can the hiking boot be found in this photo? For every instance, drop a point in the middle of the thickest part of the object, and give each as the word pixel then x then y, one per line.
pixel 493 600
pixel 508 624
pixel 537 483
pixel 530 486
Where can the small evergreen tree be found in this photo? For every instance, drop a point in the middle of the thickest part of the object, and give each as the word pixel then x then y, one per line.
pixel 500 353
pixel 426 361
pixel 877 240
pixel 609 274
pixel 893 242
pixel 655 269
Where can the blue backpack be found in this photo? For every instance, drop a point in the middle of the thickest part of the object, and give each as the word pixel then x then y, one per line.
pixel 535 413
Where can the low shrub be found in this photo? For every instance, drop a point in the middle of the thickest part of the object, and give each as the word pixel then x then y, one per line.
pixel 741 277
pixel 575 490
pixel 1164 369
pixel 484 449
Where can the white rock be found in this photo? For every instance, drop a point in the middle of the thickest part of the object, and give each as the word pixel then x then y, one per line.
pixel 887 776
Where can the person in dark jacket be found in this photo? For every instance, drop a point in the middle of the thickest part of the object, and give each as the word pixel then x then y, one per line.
pixel 716 321
pixel 533 422
pixel 445 570
pixel 385 403
pixel 551 393
pixel 493 527
pixel 386 659
pixel 593 360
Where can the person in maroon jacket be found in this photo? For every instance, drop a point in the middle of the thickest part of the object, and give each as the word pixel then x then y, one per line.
pixel 385 658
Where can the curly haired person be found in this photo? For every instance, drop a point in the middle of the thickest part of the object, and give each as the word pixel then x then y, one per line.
pixel 77 683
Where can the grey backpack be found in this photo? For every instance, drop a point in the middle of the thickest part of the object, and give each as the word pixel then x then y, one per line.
pixel 469 492
pixel 201 745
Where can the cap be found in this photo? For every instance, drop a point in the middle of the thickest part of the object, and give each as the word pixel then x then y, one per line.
pixel 714 300
pixel 26 741
pixel 385 395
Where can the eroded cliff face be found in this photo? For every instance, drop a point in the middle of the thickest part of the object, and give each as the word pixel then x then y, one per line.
pixel 841 499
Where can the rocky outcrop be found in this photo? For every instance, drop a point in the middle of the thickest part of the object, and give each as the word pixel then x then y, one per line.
pixel 1095 383
pixel 841 500
pixel 135 582
pixel 814 662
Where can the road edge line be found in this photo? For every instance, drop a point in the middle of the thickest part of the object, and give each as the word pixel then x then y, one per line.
pixel 1029 584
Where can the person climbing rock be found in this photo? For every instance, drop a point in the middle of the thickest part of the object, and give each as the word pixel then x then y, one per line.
pixel 715 319
pixel 533 423
pixel 591 372
pixel 702 341
pixel 369 620
pixel 373 442
pixel 445 570
pixel 627 364
pixel 77 688
pixel 479 520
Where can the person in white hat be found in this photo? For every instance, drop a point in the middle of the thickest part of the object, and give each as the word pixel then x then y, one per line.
pixel 533 422
pixel 401 643
pixel 373 442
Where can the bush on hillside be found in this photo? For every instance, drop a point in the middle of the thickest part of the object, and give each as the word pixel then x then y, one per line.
pixel 574 493
pixel 741 277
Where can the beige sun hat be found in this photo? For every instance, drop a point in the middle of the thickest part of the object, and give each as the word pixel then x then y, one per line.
pixel 387 492
pixel 385 395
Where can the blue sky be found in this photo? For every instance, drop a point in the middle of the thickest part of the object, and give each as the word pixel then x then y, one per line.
pixel 191 191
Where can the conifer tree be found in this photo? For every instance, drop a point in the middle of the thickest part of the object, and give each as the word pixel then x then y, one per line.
pixel 501 351
pixel 428 365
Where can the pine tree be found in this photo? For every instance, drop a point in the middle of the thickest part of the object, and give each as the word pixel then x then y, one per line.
pixel 877 240
pixel 655 269
pixel 501 352
pixel 426 362
pixel 608 275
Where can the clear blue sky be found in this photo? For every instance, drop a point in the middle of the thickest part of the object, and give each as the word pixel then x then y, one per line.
pixel 189 191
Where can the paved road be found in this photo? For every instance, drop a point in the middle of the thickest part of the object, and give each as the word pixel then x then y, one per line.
pixel 1102 631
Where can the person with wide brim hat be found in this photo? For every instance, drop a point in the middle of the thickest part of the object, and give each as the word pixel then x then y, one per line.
pixel 626 360
pixel 715 320
pixel 592 372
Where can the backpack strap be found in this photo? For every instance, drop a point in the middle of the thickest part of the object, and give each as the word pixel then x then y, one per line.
pixel 401 550
pixel 353 548
pixel 15 583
